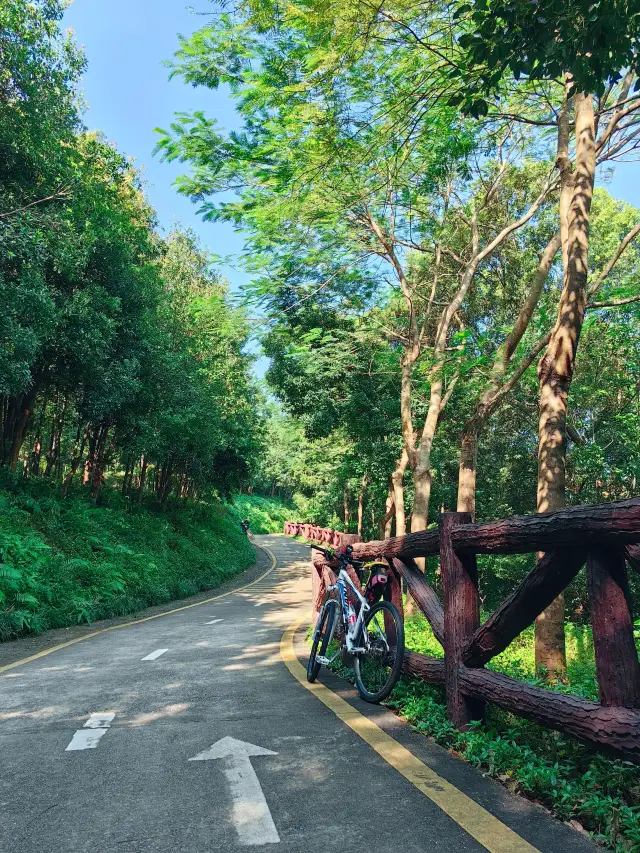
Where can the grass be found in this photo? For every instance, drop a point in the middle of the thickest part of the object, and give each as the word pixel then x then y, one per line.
pixel 63 562
pixel 266 515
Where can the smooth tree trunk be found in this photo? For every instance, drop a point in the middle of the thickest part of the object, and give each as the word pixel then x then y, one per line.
pixel 99 462
pixel 57 425
pixel 397 484
pixel 128 475
pixel 556 368
pixel 467 472
pixel 76 458
pixel 385 524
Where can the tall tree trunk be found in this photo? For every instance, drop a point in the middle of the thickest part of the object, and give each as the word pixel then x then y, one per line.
pixel 363 489
pixel 389 516
pixel 76 458
pixel 467 472
pixel 166 484
pixel 385 524
pixel 143 477
pixel 556 368
pixel 57 425
pixel 99 462
pixel 128 474
pixel 26 410
pixel 421 496
pixel 36 453
pixel 397 484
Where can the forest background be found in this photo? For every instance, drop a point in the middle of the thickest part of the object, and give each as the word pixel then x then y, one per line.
pixel 445 289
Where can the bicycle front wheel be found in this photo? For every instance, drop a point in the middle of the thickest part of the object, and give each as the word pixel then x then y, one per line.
pixel 321 638
pixel 378 669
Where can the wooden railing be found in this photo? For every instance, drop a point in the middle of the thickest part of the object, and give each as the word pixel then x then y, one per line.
pixel 606 537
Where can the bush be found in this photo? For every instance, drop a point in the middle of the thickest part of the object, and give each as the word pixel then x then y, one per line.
pixel 67 561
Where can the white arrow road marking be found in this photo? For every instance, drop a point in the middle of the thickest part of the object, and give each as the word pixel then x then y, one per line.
pixel 88 736
pixel 214 621
pixel 155 654
pixel 251 815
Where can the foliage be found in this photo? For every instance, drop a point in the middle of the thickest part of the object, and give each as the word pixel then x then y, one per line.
pixel 595 42
pixel 266 515
pixel 64 562
pixel 121 351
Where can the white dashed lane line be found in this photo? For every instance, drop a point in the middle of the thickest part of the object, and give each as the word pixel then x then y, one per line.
pixel 214 621
pixel 89 735
pixel 155 654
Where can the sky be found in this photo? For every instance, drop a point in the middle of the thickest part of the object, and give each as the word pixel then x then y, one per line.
pixel 129 94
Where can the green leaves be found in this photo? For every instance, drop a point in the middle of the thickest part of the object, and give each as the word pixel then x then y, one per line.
pixel 595 42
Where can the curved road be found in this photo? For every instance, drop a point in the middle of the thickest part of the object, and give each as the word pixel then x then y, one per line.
pixel 96 741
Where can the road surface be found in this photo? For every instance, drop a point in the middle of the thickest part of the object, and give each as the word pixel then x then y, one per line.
pixel 97 741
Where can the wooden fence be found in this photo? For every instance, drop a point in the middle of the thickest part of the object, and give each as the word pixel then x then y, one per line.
pixel 604 537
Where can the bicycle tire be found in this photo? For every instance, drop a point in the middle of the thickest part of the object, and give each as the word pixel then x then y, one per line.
pixel 391 670
pixel 321 637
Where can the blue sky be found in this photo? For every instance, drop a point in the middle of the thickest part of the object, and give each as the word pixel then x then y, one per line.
pixel 129 94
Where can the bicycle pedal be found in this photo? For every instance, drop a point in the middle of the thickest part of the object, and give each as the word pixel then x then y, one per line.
pixel 322 660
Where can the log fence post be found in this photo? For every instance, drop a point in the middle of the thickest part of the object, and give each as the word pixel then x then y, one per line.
pixel 461 617
pixel 617 664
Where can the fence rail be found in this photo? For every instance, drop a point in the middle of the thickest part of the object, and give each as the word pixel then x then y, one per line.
pixel 604 537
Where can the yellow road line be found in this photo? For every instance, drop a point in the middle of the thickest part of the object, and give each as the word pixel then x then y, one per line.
pixel 139 621
pixel 494 835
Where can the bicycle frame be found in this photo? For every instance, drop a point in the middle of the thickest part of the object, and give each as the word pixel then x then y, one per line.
pixel 341 585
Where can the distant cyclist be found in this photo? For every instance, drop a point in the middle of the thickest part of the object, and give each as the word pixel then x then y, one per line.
pixel 245 526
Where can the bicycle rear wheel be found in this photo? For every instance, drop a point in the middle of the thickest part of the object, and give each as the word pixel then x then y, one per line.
pixel 378 669
pixel 321 638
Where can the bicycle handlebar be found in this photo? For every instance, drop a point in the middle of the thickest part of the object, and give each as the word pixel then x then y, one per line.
pixel 345 555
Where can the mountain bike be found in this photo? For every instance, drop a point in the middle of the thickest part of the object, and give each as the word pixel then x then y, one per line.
pixel 369 627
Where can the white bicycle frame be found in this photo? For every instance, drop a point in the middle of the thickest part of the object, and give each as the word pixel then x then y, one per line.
pixel 343 581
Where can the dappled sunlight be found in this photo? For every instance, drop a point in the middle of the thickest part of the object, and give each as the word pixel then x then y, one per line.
pixel 41 714
pixel 268 654
pixel 166 712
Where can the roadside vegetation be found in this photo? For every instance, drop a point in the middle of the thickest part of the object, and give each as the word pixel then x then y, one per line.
pixel 69 561
pixel 265 514
pixel 594 794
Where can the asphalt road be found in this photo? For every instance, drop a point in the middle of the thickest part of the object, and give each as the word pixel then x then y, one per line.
pixel 96 741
